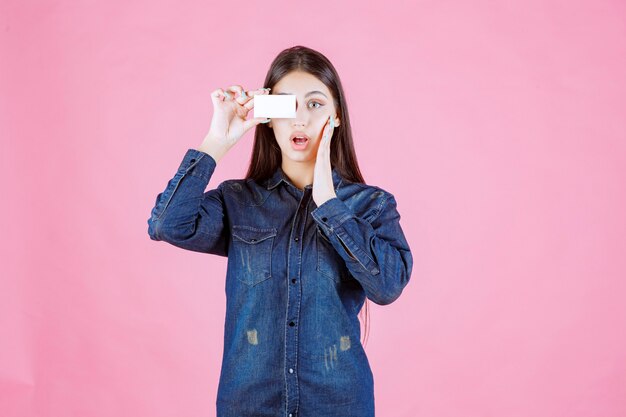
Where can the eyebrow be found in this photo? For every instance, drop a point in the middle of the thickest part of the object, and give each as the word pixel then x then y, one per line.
pixel 307 94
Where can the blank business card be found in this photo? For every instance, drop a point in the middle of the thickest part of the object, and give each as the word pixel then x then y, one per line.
pixel 275 106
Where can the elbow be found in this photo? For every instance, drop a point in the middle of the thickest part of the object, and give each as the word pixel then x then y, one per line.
pixel 384 300
pixel 153 229
pixel 395 280
pixel 388 296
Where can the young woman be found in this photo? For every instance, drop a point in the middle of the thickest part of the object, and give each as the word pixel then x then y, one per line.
pixel 307 243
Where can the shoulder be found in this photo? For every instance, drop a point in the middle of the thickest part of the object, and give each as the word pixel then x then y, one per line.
pixel 246 192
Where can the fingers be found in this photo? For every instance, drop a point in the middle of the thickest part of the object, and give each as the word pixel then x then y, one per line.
pixel 229 93
pixel 239 95
pixel 217 95
pixel 250 103
pixel 250 123
pixel 235 91
pixel 329 128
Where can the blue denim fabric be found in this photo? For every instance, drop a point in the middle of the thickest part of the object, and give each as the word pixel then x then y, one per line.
pixel 297 277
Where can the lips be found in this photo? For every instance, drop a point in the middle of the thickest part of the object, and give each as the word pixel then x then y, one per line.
pixel 300 135
pixel 299 145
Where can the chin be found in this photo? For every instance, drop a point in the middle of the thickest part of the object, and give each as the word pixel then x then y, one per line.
pixel 298 157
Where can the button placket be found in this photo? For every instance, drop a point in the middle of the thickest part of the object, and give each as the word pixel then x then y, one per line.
pixel 294 294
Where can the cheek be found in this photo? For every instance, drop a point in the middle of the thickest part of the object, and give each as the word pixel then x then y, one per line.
pixel 320 133
pixel 281 135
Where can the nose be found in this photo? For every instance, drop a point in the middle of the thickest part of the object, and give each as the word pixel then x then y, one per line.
pixel 301 116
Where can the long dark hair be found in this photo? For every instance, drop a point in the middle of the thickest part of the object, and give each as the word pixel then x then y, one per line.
pixel 266 156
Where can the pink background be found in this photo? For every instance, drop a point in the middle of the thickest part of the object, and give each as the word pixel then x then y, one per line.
pixel 499 126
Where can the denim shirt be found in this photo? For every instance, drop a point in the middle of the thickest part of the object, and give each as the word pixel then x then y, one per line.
pixel 297 277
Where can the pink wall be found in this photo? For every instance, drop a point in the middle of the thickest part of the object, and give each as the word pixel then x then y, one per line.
pixel 499 126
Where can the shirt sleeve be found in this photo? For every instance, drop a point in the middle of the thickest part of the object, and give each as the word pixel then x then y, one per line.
pixel 376 251
pixel 186 216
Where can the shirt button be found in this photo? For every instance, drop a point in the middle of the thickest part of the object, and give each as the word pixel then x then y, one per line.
pixel 290 415
pixel 296 239
pixel 290 370
pixel 192 161
pixel 291 323
pixel 324 219
pixel 293 280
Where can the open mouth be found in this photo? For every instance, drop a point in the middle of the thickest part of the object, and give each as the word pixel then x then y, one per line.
pixel 299 143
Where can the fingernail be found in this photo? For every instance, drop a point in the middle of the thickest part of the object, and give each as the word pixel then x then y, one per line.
pixel 243 94
pixel 226 94
pixel 332 122
pixel 267 120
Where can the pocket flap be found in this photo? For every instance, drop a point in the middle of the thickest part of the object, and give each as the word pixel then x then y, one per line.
pixel 251 234
pixel 322 234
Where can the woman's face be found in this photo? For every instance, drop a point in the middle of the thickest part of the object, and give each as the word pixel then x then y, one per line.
pixel 314 104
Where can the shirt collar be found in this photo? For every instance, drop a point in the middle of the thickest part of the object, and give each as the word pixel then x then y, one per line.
pixel 279 175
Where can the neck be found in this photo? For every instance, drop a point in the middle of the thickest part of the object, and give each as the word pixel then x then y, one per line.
pixel 299 173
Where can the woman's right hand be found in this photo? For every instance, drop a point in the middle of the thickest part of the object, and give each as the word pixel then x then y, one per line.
pixel 230 110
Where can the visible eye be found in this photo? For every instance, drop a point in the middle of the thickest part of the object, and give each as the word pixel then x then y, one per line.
pixel 315 102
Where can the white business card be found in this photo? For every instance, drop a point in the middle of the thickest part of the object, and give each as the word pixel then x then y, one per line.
pixel 275 106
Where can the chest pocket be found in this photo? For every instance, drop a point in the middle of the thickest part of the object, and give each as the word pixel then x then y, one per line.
pixel 329 262
pixel 253 253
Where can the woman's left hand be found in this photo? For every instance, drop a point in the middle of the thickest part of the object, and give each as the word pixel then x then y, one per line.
pixel 323 187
